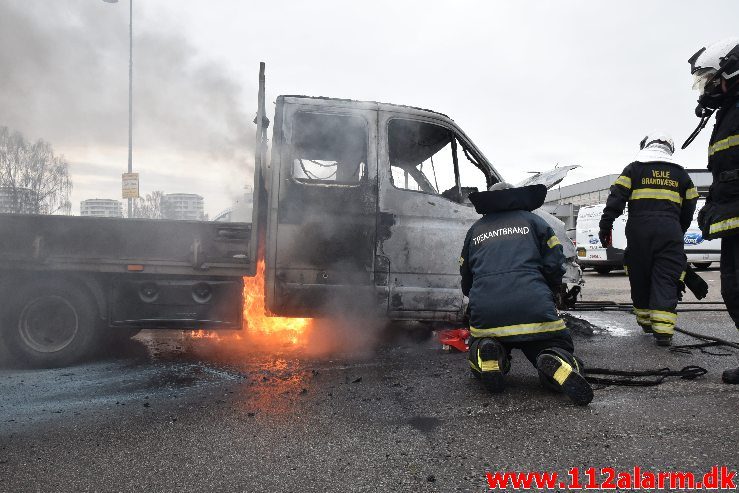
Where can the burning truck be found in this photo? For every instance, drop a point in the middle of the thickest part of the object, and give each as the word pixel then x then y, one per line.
pixel 360 209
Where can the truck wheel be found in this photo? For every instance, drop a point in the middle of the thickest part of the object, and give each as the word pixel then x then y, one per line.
pixel 701 265
pixel 603 270
pixel 50 324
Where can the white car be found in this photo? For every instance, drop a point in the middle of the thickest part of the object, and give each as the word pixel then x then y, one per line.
pixel 701 252
pixel 590 253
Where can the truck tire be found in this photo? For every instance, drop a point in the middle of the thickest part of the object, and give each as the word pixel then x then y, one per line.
pixel 701 265
pixel 50 324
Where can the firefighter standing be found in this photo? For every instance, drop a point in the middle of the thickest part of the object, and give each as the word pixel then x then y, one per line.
pixel 716 75
pixel 511 261
pixel 662 200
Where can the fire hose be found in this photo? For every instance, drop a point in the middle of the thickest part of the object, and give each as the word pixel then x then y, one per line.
pixel 458 339
pixel 635 378
pixel 603 306
pixel 630 378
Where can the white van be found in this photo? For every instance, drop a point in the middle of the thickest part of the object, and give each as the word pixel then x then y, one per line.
pixel 701 253
pixel 590 253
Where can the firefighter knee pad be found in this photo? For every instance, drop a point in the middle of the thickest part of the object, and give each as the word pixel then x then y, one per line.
pixel 560 370
pixel 489 362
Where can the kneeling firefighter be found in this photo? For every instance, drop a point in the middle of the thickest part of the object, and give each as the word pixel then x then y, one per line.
pixel 662 200
pixel 511 262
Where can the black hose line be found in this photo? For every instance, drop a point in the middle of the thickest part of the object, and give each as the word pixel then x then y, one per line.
pixel 636 378
pixel 605 306
pixel 702 347
pixel 717 340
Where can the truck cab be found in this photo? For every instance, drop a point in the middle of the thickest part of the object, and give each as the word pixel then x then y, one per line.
pixel 367 208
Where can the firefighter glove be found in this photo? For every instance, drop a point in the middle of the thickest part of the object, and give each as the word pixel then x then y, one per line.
pixel 695 283
pixel 606 237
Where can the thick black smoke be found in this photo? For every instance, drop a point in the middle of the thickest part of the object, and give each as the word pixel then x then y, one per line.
pixel 64 78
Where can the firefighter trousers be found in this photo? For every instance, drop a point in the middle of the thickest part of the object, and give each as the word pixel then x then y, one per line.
pixel 560 339
pixel 730 275
pixel 557 343
pixel 655 262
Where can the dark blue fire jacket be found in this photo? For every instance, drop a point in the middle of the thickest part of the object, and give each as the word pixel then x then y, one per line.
pixel 720 216
pixel 511 261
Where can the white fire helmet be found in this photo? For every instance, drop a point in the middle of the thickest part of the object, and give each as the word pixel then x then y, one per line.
pixel 722 56
pixel 656 146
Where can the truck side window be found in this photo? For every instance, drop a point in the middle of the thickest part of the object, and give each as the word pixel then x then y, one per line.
pixel 421 156
pixel 471 176
pixel 329 149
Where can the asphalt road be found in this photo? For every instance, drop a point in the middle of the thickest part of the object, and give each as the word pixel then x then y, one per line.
pixel 166 412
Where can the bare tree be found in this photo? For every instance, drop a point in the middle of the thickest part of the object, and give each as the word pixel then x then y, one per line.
pixel 150 207
pixel 32 179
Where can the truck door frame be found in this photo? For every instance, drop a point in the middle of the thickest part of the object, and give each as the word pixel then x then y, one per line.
pixel 294 286
pixel 420 234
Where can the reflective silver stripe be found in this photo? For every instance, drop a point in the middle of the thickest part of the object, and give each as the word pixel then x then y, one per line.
pixel 663 322
pixel 624 181
pixel 663 328
pixel 553 241
pixel 726 224
pixel 656 194
pixel 723 144
pixel 519 329
pixel 691 193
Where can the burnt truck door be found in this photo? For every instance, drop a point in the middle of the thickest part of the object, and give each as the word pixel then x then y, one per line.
pixel 322 207
pixel 427 169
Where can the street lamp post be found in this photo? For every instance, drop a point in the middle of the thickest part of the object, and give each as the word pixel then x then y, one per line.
pixel 130 94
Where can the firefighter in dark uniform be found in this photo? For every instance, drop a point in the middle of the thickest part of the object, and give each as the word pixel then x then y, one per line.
pixel 510 264
pixel 662 200
pixel 716 75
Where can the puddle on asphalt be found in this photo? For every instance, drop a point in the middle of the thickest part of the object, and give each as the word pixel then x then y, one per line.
pixel 605 323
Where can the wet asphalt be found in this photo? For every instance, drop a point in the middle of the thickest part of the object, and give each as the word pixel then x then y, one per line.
pixel 165 412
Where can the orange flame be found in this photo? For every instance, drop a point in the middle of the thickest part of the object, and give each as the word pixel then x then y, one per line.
pixel 277 330
pixel 260 327
pixel 203 334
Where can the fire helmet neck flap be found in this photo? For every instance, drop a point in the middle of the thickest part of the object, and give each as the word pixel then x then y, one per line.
pixel 507 198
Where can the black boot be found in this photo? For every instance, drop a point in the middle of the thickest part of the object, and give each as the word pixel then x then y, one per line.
pixel 489 362
pixel 559 368
pixel 663 339
pixel 731 376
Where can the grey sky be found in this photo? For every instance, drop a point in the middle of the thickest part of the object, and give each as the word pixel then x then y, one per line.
pixel 533 83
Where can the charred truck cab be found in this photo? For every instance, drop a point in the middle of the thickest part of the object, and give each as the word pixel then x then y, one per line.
pixel 368 208
pixel 362 210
